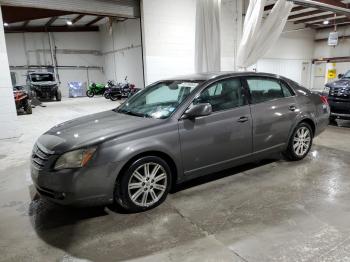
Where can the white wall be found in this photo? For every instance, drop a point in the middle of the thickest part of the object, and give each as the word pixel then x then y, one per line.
pixel 8 117
pixel 169 36
pixel 323 50
pixel 33 49
pixel 290 54
pixel 122 51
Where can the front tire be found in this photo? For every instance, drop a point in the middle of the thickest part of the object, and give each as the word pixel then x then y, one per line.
pixel 90 93
pixel 300 142
pixel 58 95
pixel 144 185
pixel 115 98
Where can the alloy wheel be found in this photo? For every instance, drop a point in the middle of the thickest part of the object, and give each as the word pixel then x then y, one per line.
pixel 301 141
pixel 147 184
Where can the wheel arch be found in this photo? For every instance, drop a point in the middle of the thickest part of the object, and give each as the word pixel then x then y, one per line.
pixel 311 123
pixel 168 159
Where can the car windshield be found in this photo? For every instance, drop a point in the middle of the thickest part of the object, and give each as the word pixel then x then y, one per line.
pixel 347 74
pixel 159 100
pixel 41 77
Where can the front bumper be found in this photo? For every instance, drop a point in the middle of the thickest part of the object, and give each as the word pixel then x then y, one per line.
pixel 88 186
pixel 340 109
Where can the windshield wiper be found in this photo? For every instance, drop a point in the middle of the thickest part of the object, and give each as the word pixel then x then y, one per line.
pixel 131 113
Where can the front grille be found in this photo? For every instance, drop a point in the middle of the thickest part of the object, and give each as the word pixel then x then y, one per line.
pixel 341 92
pixel 40 157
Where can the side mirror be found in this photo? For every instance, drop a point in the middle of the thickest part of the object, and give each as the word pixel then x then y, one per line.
pixel 340 76
pixel 198 111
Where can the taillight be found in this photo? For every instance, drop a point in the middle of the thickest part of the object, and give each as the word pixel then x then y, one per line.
pixel 324 100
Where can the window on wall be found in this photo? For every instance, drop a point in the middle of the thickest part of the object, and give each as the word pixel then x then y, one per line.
pixel 264 89
pixel 223 95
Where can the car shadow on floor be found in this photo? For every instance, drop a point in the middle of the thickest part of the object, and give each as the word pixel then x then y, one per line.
pixel 225 173
pixel 68 228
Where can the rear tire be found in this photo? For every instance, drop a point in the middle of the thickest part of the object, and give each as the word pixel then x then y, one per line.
pixel 58 95
pixel 300 142
pixel 144 185
pixel 28 107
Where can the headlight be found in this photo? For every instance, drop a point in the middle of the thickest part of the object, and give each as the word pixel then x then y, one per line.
pixel 75 159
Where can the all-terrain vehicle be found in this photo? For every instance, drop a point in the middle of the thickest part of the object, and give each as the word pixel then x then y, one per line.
pixel 22 100
pixel 338 93
pixel 96 89
pixel 44 85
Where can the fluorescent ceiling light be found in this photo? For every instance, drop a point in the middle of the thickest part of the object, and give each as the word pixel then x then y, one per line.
pixel 326 22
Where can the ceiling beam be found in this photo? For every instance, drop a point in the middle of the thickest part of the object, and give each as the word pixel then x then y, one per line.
pixel 95 20
pixel 25 24
pixel 301 15
pixel 51 21
pixel 339 23
pixel 79 17
pixel 335 6
pixel 294 9
pixel 331 22
pixel 315 18
pixel 39 29
pixel 13 14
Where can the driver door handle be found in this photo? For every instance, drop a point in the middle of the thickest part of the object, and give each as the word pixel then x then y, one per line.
pixel 242 119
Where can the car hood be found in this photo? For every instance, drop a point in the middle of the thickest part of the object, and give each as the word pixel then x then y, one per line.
pixel 341 83
pixel 92 129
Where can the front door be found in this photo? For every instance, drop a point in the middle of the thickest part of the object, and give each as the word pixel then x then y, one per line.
pixel 216 141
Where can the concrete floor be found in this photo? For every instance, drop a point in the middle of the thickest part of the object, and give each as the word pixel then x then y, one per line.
pixel 271 211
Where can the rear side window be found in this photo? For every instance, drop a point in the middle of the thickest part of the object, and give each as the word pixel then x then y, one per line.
pixel 222 95
pixel 264 89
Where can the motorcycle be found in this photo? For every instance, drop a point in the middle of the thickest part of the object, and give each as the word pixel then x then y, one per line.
pixel 108 89
pixel 95 89
pixel 22 100
pixel 124 90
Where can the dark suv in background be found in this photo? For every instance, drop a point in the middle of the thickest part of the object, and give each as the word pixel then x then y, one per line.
pixel 339 97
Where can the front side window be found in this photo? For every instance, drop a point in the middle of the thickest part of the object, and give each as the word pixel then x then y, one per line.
pixel 222 95
pixel 264 89
pixel 159 100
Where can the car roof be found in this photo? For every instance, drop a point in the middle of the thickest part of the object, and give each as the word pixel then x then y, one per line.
pixel 212 75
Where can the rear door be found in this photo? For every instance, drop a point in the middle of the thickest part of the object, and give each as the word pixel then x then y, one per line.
pixel 274 110
pixel 216 141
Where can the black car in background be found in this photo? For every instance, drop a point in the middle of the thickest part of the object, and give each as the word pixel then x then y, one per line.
pixel 339 97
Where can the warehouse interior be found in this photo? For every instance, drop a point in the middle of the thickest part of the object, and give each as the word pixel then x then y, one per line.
pixel 267 210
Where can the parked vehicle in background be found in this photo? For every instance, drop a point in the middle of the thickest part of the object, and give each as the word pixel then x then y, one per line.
pixel 338 93
pixel 96 89
pixel 173 131
pixel 44 85
pixel 123 90
pixel 108 89
pixel 22 99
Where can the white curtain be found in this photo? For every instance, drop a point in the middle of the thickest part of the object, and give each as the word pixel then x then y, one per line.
pixel 258 35
pixel 208 43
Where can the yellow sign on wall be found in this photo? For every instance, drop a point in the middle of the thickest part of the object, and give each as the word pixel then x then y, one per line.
pixel 332 73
